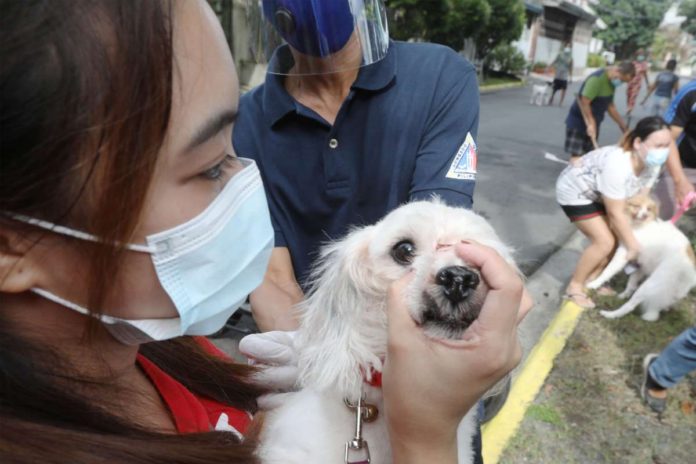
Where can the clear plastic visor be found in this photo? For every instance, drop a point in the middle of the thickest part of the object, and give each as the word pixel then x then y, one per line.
pixel 305 37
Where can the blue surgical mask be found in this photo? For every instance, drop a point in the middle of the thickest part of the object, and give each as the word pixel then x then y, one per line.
pixel 207 266
pixel 616 82
pixel 656 156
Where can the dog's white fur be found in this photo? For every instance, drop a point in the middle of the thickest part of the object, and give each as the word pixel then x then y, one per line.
pixel 540 94
pixel 666 261
pixel 343 332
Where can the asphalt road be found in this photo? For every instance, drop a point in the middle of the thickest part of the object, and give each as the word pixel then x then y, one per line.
pixel 515 188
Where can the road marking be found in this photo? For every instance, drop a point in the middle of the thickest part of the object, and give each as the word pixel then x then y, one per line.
pixel 497 433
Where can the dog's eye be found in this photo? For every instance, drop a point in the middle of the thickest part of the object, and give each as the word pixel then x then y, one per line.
pixel 403 252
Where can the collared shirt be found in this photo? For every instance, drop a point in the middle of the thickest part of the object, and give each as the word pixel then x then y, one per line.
pixel 405 132
pixel 682 113
pixel 599 89
pixel 194 413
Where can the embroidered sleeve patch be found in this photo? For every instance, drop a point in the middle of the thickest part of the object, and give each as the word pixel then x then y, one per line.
pixel 463 165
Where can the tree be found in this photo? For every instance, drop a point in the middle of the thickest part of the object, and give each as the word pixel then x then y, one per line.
pixel 688 9
pixel 505 25
pixel 631 24
pixel 447 22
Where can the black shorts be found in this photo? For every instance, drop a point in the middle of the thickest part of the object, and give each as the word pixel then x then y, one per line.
pixel 560 84
pixel 577 142
pixel 582 212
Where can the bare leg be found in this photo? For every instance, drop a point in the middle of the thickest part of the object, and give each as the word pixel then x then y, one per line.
pixel 563 92
pixel 602 242
pixel 553 94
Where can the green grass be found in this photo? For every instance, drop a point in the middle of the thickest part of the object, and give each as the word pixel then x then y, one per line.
pixel 544 413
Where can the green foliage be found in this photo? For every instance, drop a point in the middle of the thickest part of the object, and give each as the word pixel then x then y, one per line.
pixel 540 66
pixel 505 25
pixel 595 60
pixel 688 9
pixel 506 58
pixel 667 41
pixel 631 23
pixel 447 22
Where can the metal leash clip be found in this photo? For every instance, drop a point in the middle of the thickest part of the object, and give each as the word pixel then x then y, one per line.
pixel 357 445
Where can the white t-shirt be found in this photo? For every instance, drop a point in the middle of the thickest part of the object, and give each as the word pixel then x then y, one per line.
pixel 607 172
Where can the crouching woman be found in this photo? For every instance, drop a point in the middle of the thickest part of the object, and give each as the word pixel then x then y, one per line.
pixel 593 195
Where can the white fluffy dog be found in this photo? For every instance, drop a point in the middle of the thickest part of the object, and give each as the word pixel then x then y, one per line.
pixel 540 94
pixel 666 262
pixel 342 341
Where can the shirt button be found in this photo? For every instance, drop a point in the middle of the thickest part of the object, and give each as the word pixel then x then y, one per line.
pixel 333 143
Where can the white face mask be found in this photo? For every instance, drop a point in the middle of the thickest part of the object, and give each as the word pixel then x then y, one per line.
pixel 207 265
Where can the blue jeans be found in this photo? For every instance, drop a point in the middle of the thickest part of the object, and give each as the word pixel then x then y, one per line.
pixel 675 361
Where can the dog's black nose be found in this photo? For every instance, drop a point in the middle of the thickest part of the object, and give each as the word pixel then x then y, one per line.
pixel 457 281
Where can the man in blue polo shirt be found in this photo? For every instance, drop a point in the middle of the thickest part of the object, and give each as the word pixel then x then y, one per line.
pixel 347 128
pixel 595 99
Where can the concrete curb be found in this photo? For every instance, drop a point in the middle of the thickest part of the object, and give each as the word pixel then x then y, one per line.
pixel 528 382
pixel 494 88
pixel 543 334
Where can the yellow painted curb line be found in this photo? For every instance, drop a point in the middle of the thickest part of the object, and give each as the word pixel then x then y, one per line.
pixel 526 385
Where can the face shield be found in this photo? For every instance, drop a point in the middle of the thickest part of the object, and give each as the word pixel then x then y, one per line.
pixel 306 37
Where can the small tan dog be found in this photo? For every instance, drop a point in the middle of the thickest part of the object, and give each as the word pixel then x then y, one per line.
pixel 666 260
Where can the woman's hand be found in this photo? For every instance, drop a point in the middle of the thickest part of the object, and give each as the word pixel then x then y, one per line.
pixel 429 385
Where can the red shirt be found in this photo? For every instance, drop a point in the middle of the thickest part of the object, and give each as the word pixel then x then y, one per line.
pixel 193 413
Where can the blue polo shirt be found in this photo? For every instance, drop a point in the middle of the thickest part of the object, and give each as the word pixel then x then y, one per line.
pixel 406 131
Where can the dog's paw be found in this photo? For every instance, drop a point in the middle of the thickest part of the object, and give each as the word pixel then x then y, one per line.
pixel 651 316
pixel 623 295
pixel 609 314
pixel 595 284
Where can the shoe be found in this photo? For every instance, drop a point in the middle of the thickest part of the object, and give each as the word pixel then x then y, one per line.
pixel 656 404
pixel 580 299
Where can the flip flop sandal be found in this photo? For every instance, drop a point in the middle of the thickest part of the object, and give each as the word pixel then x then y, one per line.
pixel 580 299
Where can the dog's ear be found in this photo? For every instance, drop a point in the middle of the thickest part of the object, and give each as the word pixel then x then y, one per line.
pixel 343 318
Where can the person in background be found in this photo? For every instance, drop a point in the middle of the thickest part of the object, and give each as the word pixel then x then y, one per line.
pixel 662 372
pixel 130 230
pixel 593 194
pixel 595 99
pixel 680 179
pixel 640 63
pixel 563 65
pixel 665 86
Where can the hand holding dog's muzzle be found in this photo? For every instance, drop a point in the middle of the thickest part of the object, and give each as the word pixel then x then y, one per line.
pixel 451 375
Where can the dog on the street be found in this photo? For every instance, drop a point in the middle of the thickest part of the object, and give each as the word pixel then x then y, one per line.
pixel 541 92
pixel 666 269
pixel 342 339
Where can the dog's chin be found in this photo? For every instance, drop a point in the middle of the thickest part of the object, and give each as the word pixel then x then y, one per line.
pixel 440 318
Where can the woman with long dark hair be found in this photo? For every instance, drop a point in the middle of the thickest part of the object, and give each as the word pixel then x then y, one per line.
pixel 593 194
pixel 129 230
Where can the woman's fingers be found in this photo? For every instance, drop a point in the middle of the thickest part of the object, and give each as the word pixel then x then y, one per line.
pixel 505 303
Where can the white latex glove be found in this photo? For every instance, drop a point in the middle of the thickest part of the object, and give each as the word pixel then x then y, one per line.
pixel 274 352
